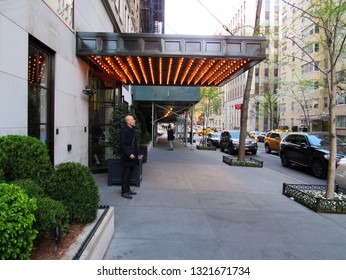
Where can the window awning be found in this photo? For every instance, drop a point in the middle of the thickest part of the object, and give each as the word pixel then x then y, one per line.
pixel 169 60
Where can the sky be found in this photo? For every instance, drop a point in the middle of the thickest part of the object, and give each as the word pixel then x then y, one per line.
pixel 190 17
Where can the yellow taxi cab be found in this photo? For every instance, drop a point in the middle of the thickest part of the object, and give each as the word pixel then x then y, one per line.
pixel 205 131
pixel 273 139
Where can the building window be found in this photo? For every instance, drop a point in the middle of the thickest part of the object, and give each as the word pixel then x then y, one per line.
pixel 282 108
pixel 341 100
pixel 341 121
pixel 40 94
pixel 309 67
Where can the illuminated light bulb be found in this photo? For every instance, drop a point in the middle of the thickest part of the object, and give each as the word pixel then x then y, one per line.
pixel 187 70
pixel 139 59
pixel 178 70
pixel 169 69
pixel 151 70
pixel 133 69
pixel 160 70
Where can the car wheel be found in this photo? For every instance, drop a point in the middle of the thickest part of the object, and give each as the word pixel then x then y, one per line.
pixel 254 152
pixel 318 169
pixel 285 161
pixel 266 147
pixel 229 150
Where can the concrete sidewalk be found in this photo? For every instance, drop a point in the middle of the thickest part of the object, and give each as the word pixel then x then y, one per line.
pixel 192 206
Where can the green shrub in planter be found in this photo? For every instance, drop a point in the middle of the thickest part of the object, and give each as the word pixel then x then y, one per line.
pixel 50 213
pixel 117 121
pixel 24 157
pixel 74 185
pixel 16 223
pixel 31 187
pixel 3 160
pixel 2 176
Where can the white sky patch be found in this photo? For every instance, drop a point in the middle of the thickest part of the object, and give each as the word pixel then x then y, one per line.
pixel 190 17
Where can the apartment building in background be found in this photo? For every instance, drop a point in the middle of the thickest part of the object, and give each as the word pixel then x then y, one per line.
pixel 262 113
pixel 303 102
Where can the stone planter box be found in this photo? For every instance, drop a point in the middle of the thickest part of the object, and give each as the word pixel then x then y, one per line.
pixel 206 148
pixel 115 171
pixel 304 194
pixel 94 241
pixel 143 149
pixel 248 162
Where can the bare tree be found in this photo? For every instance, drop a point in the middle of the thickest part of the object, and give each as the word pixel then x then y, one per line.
pixel 329 16
pixel 302 92
pixel 269 108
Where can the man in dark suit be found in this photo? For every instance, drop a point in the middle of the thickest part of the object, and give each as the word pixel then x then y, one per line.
pixel 129 155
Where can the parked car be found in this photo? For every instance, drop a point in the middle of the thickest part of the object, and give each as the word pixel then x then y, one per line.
pixel 261 136
pixel 272 141
pixel 229 141
pixel 340 173
pixel 310 150
pixel 213 139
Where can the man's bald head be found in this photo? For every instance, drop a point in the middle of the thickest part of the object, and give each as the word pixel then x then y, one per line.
pixel 130 121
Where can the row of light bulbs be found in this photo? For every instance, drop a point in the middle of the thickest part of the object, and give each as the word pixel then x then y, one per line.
pixel 202 71
pixel 36 68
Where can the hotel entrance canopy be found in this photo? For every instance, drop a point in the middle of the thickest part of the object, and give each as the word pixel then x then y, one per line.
pixel 169 60
pixel 158 60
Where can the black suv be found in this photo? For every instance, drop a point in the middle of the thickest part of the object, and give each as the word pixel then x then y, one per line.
pixel 229 140
pixel 310 150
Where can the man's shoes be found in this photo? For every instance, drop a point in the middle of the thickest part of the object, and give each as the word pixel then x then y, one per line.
pixel 132 193
pixel 126 195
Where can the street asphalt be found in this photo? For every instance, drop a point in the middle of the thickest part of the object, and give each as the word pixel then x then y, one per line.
pixel 192 206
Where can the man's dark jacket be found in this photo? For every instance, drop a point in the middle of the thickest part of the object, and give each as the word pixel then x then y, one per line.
pixel 128 146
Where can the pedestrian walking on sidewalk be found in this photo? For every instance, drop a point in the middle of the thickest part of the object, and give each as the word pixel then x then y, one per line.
pixel 129 155
pixel 170 136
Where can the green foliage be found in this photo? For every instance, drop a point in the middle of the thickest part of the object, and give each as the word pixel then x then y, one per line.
pixel 117 121
pixel 74 185
pixel 211 99
pixel 24 157
pixel 145 137
pixel 31 188
pixel 50 214
pixel 16 223
pixel 3 160
pixel 2 176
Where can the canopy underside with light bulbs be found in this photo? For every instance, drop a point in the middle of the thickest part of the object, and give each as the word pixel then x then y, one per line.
pixel 169 60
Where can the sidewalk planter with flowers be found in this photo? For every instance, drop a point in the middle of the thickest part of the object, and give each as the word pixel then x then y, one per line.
pixel 313 197
pixel 248 162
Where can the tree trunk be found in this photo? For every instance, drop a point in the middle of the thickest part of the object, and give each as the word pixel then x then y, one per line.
pixel 332 135
pixel 246 98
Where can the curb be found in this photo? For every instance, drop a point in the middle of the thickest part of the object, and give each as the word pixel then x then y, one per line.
pixel 93 242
